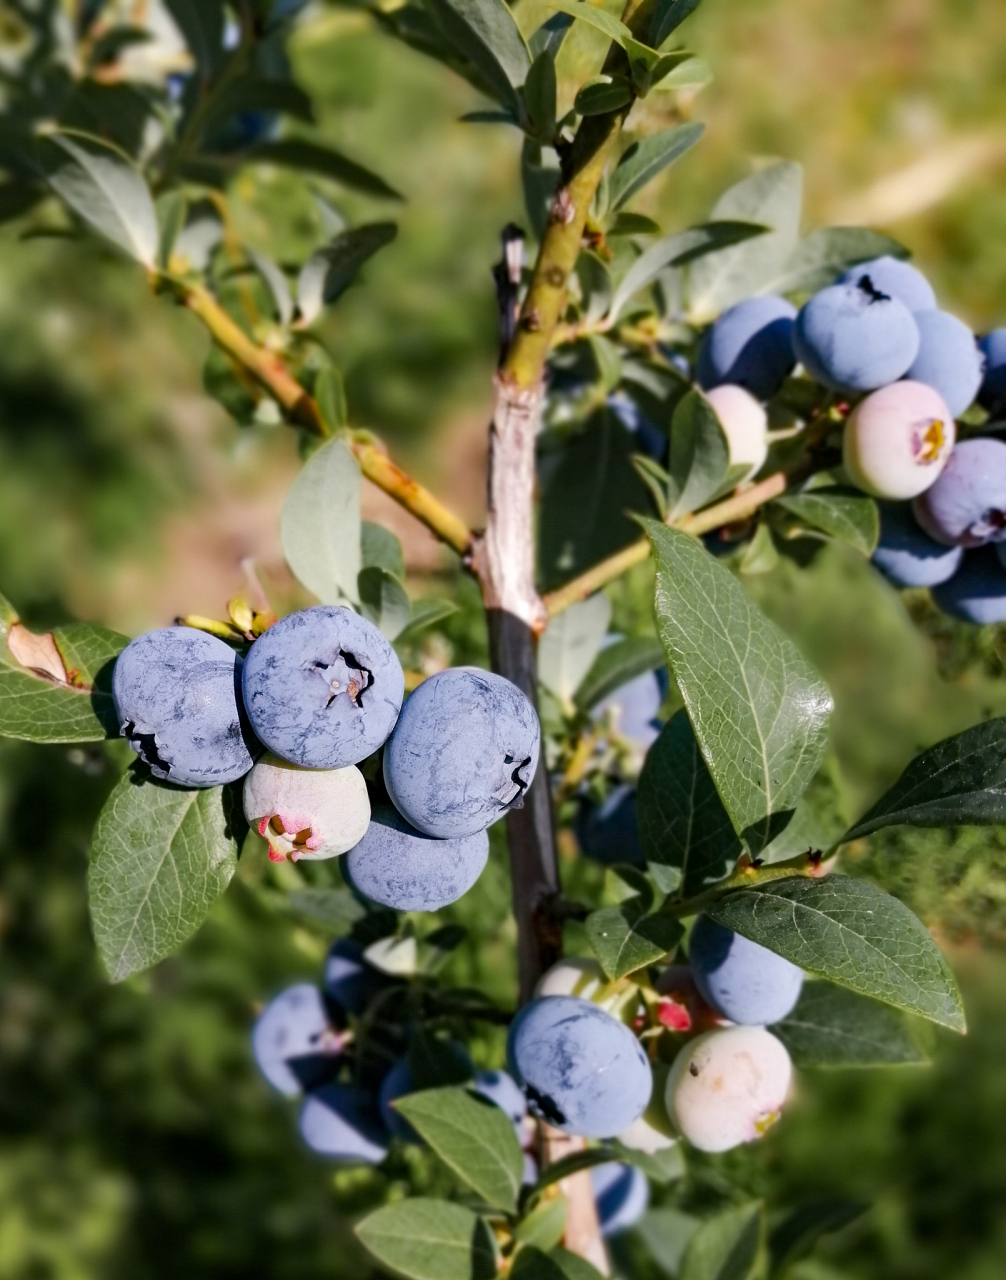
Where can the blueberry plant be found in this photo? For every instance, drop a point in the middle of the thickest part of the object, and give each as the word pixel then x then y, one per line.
pixel 711 399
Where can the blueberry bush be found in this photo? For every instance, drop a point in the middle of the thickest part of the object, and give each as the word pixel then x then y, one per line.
pixel 703 402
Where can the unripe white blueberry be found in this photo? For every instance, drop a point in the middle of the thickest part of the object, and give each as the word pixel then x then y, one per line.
pixel 653 1131
pixel 728 1087
pixel 898 440
pixel 306 813
pixel 745 425
pixel 576 976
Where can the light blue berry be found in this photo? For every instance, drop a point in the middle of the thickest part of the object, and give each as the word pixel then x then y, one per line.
pixel 342 1121
pixel 948 359
pixel 177 699
pixel 750 346
pixel 323 687
pixel 966 505
pixel 350 983
pixel 633 707
pixel 609 832
pixel 580 1069
pixel 977 591
pixel 291 1040
pixel 993 390
pixel 501 1088
pixel 897 278
pixel 464 751
pixel 854 337
pixel 907 555
pixel 740 979
pixel 622 1194
pixel 397 866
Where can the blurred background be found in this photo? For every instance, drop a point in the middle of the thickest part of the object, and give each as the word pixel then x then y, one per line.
pixel 136 1139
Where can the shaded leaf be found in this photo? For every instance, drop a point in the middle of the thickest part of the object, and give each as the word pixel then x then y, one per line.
pixel 833 1027
pixel 383 601
pixel 693 73
pixel 539 171
pixel 485 32
pixel 617 665
pixel 842 513
pixel 599 19
pixel 668 15
pixel 550 35
pixel 532 1263
pixel 602 94
pixel 700 455
pixel 643 160
pixel 427 1239
pixel 380 547
pixel 571 642
pixel 726 1246
pixel 277 283
pixel 545 1225
pixel 576 1162
pixel 666 1232
pixel 825 253
pixel 624 939
pixel 337 908
pixel 329 271
pixel 426 612
pixel 312 157
pixel 320 524
pixel 330 393
pixel 797 1234
pixel 664 1166
pixel 201 23
pixel 540 95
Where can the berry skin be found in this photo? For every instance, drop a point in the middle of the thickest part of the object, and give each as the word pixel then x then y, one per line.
pixel 622 1194
pixel 341 1121
pixel 580 1069
pixel 750 345
pixel 293 1043
pixel 993 348
pixel 854 337
pixel 744 981
pixel 632 709
pixel 653 1131
pixel 745 425
pixel 177 700
pixel 464 751
pixel 728 1087
pixel 906 555
pixel 896 278
pixel 396 1084
pixel 501 1089
pixel 966 507
pixel 977 591
pixel 898 440
pixel 306 813
pixel 574 976
pixel 323 688
pixel 399 867
pixel 350 983
pixel 948 360
pixel 608 832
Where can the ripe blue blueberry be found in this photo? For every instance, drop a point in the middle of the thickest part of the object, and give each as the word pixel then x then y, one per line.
pixel 323 688
pixel 177 699
pixel 993 348
pixel 622 1194
pixel 966 506
pixel 742 980
pixel 750 345
pixel 897 278
pixel 649 438
pixel 350 983
pixel 342 1121
pixel 977 591
pixel 608 832
pixel 400 1080
pixel 464 751
pixel 907 555
pixel 399 867
pixel 580 1069
pixel 854 337
pixel 633 707
pixel 293 1043
pixel 501 1088
pixel 948 359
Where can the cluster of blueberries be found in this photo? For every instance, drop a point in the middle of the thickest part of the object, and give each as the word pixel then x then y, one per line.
pixel 686 1056
pixel 318 693
pixel 878 340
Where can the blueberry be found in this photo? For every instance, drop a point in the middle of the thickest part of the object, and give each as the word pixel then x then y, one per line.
pixel 750 345
pixel 993 389
pixel 501 1088
pixel 649 438
pixel 898 440
pixel 292 1041
pixel 896 278
pixel 622 1194
pixel 323 688
pixel 977 591
pixel 464 751
pixel 396 1084
pixel 728 1087
pixel 440 1062
pixel 855 337
pixel 745 425
pixel 348 980
pixel 948 359
pixel 399 867
pixel 580 1069
pixel 572 976
pixel 633 708
pixel 342 1121
pixel 966 506
pixel 608 832
pixel 744 981
pixel 306 813
pixel 907 555
pixel 177 700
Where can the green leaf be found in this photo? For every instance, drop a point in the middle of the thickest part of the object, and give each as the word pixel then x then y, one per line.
pixel 252 93
pixel 772 197
pixel 804 831
pixel 540 95
pixel 624 940
pixel 693 73
pixel 276 282
pixel 428 1239
pixel 682 821
pixel 844 514
pixel 643 160
pixel 339 909
pixel 617 665
pixel 426 612
pixel 201 23
pixel 330 393
pixel 160 858
pixel 758 708
pixel 532 1263
pixel 74 705
pixel 633 224
pixel 797 1234
pixel 571 642
pixel 102 186
pixel 383 601
pixel 545 1225
pixel 234 389
pixel 485 32
pixel 320 524
pixel 833 1027
pixel 664 1166
pixel 475 1138
pixel 327 273
pixel 725 1247
pixel 540 173
pixel 568 1165
pixel 594 279
pixel 599 19
pixel 325 161
pixel 603 94
pixel 700 455
pixel 959 781
pixel 550 35
pixel 824 254
pixel 760 555
pixel 668 15
pixel 852 933
pixel 665 1233
pixel 379 547
pixel 172 209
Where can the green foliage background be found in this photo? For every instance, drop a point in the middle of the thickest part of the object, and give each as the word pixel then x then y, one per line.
pixel 136 1139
